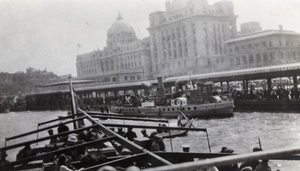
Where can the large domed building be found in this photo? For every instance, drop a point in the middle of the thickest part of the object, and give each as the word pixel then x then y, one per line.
pixel 120 33
pixel 124 59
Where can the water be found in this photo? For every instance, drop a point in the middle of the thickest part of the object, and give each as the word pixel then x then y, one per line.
pixel 240 133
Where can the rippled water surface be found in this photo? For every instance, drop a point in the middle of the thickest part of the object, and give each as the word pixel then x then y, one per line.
pixel 240 133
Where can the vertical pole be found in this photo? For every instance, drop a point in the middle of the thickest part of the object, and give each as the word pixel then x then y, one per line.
pixel 37 135
pixel 228 87
pixel 170 138
pixel 269 84
pixel 73 102
pixel 295 81
pixel 208 141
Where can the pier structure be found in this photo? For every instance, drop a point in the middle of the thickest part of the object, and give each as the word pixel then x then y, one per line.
pixel 95 95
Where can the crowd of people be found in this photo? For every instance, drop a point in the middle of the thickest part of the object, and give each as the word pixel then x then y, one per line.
pixel 262 94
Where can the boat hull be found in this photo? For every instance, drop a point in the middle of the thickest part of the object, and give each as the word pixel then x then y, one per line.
pixel 210 110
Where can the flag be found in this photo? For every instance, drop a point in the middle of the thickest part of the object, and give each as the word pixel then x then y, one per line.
pixel 78 45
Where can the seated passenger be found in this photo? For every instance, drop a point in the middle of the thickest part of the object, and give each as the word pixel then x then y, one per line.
pixel 4 164
pixel 143 131
pixel 263 166
pixel 25 152
pixel 130 135
pixel 232 167
pixel 252 163
pixel 64 164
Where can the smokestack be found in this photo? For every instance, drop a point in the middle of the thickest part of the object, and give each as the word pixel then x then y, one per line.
pixel 161 88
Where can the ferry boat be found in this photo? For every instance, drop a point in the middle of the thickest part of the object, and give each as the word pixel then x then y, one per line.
pixel 196 102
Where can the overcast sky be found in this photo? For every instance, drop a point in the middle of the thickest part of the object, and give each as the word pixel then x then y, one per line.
pixel 44 34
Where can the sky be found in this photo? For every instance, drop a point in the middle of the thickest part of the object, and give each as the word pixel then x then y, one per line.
pixel 44 34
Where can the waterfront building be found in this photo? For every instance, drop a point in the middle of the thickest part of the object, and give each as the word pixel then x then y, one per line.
pixel 124 59
pixel 188 37
pixel 263 48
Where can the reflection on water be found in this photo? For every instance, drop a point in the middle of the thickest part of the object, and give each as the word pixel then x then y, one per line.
pixel 241 132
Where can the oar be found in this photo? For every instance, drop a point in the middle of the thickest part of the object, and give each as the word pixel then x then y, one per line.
pixel 186 118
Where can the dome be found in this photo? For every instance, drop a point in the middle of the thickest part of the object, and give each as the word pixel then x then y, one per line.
pixel 120 26
pixel 120 33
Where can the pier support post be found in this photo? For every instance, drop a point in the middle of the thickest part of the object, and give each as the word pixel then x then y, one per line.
pixel 269 84
pixel 228 87
pixel 295 82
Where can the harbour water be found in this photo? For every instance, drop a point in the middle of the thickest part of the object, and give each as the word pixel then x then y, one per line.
pixel 240 133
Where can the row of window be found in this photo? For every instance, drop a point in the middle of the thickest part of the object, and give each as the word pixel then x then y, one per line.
pixel 114 79
pixel 263 45
pixel 126 62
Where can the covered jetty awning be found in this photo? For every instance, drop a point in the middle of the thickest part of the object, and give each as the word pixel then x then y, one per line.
pixel 117 86
pixel 285 70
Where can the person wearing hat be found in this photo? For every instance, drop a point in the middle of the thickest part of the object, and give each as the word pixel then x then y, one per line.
pixel 253 163
pixel 248 168
pixel 53 140
pixel 120 131
pixel 4 164
pixel 107 168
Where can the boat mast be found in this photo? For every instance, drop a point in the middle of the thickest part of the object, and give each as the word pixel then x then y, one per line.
pixel 73 102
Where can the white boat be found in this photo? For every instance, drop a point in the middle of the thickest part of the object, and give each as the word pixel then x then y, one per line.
pixel 216 108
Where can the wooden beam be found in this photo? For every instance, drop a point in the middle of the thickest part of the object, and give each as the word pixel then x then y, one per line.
pixel 227 160
pixel 155 127
pixel 42 129
pixel 134 148
pixel 130 118
pixel 46 138
pixel 40 156
pixel 119 162
pixel 54 120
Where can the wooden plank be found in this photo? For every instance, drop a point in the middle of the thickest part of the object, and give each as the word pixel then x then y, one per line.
pixel 40 156
pixel 134 148
pixel 130 118
pixel 119 162
pixel 46 138
pixel 54 120
pixel 42 129
pixel 227 160
pixel 155 127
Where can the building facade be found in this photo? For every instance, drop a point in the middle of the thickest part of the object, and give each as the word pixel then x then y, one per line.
pixel 265 48
pixel 124 59
pixel 188 37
